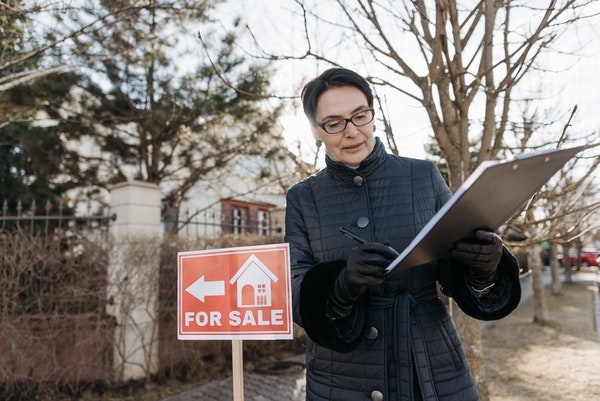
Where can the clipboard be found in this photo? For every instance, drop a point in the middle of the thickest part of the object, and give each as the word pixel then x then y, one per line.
pixel 487 199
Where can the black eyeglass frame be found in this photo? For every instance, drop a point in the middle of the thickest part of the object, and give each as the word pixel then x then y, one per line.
pixel 346 121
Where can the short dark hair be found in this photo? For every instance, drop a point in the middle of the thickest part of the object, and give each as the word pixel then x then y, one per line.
pixel 333 77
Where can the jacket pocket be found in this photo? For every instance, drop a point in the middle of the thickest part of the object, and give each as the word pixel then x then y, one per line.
pixel 445 352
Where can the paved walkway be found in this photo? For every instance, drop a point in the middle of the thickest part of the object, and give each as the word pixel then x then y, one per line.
pixel 286 380
pixel 282 381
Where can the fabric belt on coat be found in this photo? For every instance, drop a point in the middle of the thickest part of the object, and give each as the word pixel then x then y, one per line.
pixel 421 296
pixel 402 304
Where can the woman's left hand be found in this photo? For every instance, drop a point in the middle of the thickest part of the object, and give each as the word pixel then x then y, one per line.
pixel 481 252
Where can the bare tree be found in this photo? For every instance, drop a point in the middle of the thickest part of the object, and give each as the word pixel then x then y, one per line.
pixel 563 211
pixel 20 67
pixel 461 63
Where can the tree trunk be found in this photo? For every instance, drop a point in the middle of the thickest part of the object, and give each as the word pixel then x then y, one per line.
pixel 540 308
pixel 470 333
pixel 554 268
pixel 566 261
pixel 578 246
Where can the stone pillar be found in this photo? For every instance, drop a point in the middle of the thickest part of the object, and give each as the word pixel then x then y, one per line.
pixel 132 293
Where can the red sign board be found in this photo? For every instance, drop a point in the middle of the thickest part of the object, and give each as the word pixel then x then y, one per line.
pixel 235 293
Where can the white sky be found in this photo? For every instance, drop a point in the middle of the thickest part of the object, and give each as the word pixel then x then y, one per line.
pixel 279 30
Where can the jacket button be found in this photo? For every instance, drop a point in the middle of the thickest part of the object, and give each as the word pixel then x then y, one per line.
pixel 362 222
pixel 372 333
pixel 358 180
pixel 376 395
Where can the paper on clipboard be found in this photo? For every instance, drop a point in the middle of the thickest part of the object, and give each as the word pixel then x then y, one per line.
pixel 486 200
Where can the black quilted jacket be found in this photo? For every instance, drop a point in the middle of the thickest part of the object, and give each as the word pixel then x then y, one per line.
pixel 400 337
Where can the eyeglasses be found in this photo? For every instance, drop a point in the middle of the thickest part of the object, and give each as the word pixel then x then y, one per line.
pixel 337 125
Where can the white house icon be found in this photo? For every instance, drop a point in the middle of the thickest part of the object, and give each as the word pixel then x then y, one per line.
pixel 253 283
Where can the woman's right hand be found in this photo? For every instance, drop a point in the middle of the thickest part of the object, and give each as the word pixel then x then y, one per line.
pixel 365 266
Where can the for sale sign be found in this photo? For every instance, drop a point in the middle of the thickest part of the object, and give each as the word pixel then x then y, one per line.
pixel 235 293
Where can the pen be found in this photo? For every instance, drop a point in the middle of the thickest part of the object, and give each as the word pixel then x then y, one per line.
pixel 351 235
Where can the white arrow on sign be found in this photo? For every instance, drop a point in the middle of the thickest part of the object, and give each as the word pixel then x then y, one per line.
pixel 200 288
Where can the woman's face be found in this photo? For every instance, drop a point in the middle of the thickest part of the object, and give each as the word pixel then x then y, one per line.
pixel 352 145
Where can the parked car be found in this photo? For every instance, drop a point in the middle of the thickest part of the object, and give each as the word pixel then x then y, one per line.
pixel 589 257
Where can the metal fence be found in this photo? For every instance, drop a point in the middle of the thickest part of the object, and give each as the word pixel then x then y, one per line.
pixel 212 222
pixel 55 262
pixel 51 219
pixel 58 219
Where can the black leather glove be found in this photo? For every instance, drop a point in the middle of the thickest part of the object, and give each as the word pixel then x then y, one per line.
pixel 481 254
pixel 365 266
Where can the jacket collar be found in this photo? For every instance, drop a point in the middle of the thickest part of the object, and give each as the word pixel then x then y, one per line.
pixel 366 168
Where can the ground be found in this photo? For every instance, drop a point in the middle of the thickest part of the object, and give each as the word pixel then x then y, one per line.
pixel 558 361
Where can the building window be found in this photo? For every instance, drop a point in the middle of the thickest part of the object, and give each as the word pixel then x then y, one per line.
pixel 263 223
pixel 237 220
pixel 239 217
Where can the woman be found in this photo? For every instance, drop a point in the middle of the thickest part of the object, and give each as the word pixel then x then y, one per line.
pixel 373 336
